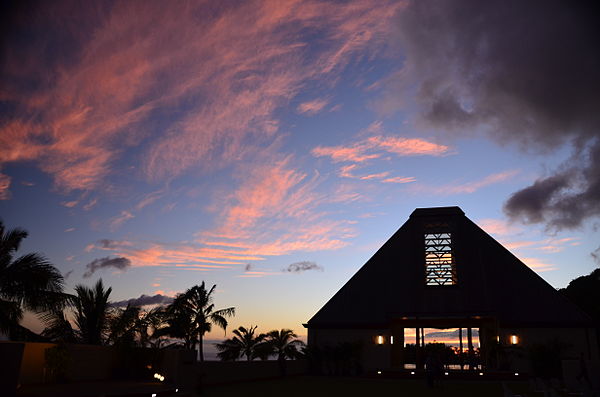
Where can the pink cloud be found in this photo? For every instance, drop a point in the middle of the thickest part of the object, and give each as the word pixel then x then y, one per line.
pixel 116 221
pixel 465 188
pixel 538 265
pixel 313 107
pixel 4 187
pixel 498 227
pixel 238 66
pixel 375 146
pixel 399 179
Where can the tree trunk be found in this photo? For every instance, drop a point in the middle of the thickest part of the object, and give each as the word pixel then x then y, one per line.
pixel 201 349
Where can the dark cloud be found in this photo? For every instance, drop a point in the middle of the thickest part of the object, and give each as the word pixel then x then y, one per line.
pixel 144 300
pixel 108 244
pixel 303 266
pixel 119 263
pixel 523 71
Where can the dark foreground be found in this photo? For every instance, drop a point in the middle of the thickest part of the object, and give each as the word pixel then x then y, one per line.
pixel 301 386
pixel 304 386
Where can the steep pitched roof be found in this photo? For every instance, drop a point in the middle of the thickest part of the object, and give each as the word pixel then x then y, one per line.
pixel 491 281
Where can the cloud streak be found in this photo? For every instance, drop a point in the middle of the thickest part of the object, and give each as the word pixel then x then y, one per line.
pixel 119 263
pixel 464 188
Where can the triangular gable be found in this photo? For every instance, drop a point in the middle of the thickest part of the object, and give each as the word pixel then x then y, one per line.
pixel 490 281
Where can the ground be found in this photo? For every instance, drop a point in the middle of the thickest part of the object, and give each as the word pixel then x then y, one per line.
pixel 303 386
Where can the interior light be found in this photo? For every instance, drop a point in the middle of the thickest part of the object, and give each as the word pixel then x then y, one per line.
pixel 514 339
pixel 379 372
pixel 412 372
pixel 380 339
pixel 176 390
pixel 153 394
pixel 481 373
pixel 392 340
pixel 446 373
pixel 516 374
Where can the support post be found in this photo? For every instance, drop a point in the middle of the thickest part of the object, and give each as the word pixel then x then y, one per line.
pixel 470 342
pixel 460 344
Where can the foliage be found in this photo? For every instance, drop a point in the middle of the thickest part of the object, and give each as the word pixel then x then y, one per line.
pixel 123 325
pixel 585 292
pixel 283 344
pixel 91 312
pixel 58 327
pixel 28 282
pixel 546 359
pixel 192 314
pixel 243 343
pixel 57 360
pixel 341 359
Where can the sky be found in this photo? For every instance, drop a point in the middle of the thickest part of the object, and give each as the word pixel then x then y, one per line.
pixel 271 147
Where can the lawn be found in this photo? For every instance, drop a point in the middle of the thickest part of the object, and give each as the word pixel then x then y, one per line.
pixel 306 386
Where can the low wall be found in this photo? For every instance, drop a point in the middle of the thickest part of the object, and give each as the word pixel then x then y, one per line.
pixel 24 363
pixel 213 372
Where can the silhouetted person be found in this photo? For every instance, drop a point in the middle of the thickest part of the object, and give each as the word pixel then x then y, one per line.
pixel 583 372
pixel 433 369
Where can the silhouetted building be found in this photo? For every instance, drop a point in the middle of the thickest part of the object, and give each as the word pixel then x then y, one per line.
pixel 441 271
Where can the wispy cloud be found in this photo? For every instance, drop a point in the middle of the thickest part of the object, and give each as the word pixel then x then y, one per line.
pixel 300 267
pixel 240 64
pixel 539 265
pixel 376 146
pixel 116 221
pixel 313 107
pixel 464 188
pixel 4 187
pixel 498 227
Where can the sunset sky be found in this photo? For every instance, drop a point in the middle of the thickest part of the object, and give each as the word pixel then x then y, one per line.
pixel 271 147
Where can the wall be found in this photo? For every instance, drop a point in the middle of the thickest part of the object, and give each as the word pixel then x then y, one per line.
pixel 373 356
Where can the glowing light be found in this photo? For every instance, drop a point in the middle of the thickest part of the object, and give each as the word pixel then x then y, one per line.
pixel 516 374
pixel 412 372
pixel 392 340
pixel 176 390
pixel 159 377
pixel 379 339
pixel 514 339
pixel 153 394
pixel 446 373
pixel 498 338
pixel 379 372
pixel 481 373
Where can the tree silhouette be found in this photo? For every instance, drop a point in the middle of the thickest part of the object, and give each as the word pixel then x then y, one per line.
pixel 91 312
pixel 284 345
pixel 28 282
pixel 192 314
pixel 243 343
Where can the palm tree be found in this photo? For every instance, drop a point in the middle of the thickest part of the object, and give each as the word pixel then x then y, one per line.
pixel 192 314
pixel 58 328
pixel 91 312
pixel 151 327
pixel 123 325
pixel 284 345
pixel 243 343
pixel 28 282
